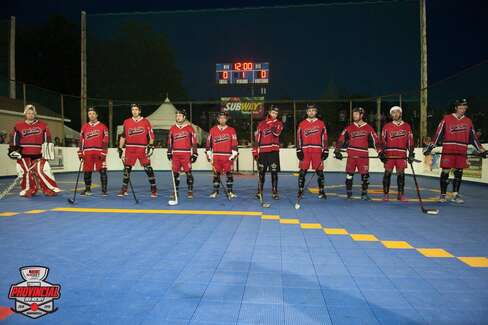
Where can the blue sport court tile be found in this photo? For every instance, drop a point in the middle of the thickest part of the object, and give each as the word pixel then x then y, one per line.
pixel 265 295
pixel 211 311
pixel 306 314
pixel 224 292
pixel 351 315
pixel 303 296
pixel 261 314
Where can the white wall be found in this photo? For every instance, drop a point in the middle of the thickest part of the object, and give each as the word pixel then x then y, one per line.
pixel 288 162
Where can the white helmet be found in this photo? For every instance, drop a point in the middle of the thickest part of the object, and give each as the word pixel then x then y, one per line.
pixel 30 107
pixel 395 108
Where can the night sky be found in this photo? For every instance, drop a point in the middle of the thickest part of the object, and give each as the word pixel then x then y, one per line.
pixel 359 49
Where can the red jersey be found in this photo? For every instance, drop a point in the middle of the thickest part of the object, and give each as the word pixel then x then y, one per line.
pixel 312 136
pixel 357 139
pixel 30 136
pixel 267 136
pixel 222 141
pixel 137 133
pixel 454 134
pixel 396 139
pixel 182 139
pixel 94 138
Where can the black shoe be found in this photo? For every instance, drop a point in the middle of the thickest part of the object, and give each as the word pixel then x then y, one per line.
pixel 365 197
pixel 275 195
pixel 104 193
pixel 86 192
pixel 322 195
pixel 349 195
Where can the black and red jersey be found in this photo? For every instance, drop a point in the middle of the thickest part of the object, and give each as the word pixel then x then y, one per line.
pixel 312 136
pixel 454 134
pixel 397 139
pixel 30 136
pixel 182 139
pixel 357 138
pixel 94 137
pixel 267 136
pixel 137 133
pixel 221 141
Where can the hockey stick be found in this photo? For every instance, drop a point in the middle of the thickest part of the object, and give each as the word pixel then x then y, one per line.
pixel 175 201
pixel 424 210
pixel 299 198
pixel 132 190
pixel 260 193
pixel 72 201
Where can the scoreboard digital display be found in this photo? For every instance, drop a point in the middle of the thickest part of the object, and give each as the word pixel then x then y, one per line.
pixel 242 73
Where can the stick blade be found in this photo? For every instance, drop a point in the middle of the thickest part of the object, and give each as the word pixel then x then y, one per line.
pixel 70 201
pixel 173 202
pixel 297 206
pixel 266 205
pixel 432 211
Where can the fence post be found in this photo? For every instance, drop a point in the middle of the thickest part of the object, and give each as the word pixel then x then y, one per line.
pixel 350 111
pixel 111 122
pixel 11 66
pixel 191 112
pixel 83 68
pixel 24 93
pixel 294 123
pixel 400 100
pixel 61 103
pixel 378 115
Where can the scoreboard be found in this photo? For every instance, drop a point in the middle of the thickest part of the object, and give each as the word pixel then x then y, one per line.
pixel 242 73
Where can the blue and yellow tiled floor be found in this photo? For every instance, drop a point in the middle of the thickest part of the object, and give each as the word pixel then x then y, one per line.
pixel 219 262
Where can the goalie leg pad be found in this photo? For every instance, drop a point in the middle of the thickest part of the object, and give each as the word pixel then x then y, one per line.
pixel 45 177
pixel 28 183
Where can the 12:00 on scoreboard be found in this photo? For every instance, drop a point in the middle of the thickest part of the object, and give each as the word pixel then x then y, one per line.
pixel 242 73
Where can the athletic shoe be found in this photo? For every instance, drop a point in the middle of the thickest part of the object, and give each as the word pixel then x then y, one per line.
pixel 386 198
pixel 57 190
pixel 402 198
pixel 322 195
pixel 104 193
pixel 154 194
pixel 275 195
pixel 457 199
pixel 86 192
pixel 122 193
pixel 365 197
pixel 214 194
pixel 231 194
pixel 190 195
pixel 443 198
pixel 258 195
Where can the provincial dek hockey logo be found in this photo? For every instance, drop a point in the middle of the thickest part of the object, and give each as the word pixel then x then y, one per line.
pixel 34 297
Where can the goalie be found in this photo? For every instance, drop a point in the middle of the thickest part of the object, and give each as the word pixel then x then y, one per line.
pixel 31 146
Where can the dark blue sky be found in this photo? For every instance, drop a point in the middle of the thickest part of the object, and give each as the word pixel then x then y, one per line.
pixel 367 49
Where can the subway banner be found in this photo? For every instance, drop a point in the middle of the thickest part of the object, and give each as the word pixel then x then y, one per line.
pixel 244 105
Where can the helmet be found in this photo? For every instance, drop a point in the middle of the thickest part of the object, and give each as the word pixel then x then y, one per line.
pixel 30 107
pixel 181 111
pixel 360 110
pixel 92 109
pixel 219 114
pixel 460 102
pixel 312 106
pixel 274 108
pixel 395 108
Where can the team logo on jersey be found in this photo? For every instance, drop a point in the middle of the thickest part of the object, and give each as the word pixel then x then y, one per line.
pixel 92 134
pixel 34 297
pixel 311 131
pixel 181 135
pixel 31 131
pixel 221 138
pixel 135 131
pixel 358 134
pixel 458 128
pixel 398 134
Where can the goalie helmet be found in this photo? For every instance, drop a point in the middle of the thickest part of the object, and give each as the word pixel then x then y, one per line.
pixel 30 107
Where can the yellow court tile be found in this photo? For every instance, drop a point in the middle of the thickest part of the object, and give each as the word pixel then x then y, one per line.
pixel 395 244
pixel 364 237
pixel 270 217
pixel 290 221
pixel 310 226
pixel 434 252
pixel 336 231
pixel 8 214
pixel 475 261
pixel 35 211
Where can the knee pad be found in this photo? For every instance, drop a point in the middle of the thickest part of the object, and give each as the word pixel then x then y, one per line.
pixel 216 180
pixel 189 178
pixel 177 179
pixel 301 178
pixel 349 176
pixel 274 168
pixel 458 176
pixel 365 179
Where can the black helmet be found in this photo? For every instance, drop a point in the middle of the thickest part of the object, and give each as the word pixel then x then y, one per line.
pixel 358 109
pixel 219 114
pixel 181 111
pixel 312 106
pixel 459 102
pixel 274 108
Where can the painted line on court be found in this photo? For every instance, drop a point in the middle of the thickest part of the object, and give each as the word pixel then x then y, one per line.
pixel 472 261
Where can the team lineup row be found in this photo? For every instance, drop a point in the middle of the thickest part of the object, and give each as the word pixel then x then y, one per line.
pixel 31 147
